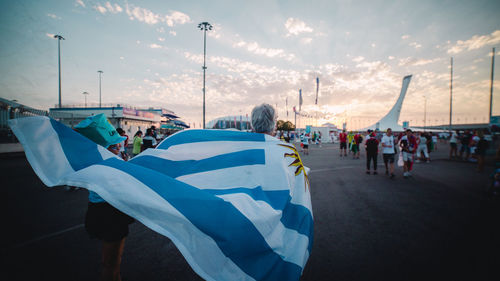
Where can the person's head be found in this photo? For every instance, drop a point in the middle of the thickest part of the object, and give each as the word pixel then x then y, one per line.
pixel 138 134
pixel 120 131
pixel 409 132
pixel 480 134
pixel 153 128
pixel 149 132
pixel 264 119
pixel 343 131
pixel 389 131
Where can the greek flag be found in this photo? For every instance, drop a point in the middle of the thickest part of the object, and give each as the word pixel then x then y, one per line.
pixel 236 204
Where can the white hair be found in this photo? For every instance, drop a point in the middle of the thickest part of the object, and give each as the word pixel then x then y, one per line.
pixel 263 118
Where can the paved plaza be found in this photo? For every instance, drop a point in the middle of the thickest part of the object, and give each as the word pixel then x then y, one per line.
pixel 437 225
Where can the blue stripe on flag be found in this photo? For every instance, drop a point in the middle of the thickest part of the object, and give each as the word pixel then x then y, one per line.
pixel 299 218
pixel 79 150
pixel 179 168
pixel 277 199
pixel 294 216
pixel 191 136
pixel 235 235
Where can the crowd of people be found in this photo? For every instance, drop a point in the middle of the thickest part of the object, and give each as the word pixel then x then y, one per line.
pixel 412 147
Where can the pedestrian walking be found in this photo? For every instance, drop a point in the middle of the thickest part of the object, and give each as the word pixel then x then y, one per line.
pixel 343 143
pixel 388 152
pixel 371 146
pixel 408 145
pixel 422 148
pixel 453 145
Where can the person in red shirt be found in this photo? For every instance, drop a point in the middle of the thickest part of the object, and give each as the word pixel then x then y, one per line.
pixel 343 143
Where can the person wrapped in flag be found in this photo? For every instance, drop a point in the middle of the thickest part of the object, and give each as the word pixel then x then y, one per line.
pixel 236 204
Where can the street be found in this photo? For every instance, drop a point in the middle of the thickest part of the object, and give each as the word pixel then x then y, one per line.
pixel 437 225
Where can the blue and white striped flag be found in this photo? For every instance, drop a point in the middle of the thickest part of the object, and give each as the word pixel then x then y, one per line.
pixel 236 204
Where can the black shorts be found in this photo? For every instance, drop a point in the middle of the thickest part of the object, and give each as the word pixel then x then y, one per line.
pixel 343 145
pixel 389 158
pixel 106 223
pixel 306 145
pixel 453 145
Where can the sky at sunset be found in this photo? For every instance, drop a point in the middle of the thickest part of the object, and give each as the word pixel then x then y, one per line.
pixel 151 55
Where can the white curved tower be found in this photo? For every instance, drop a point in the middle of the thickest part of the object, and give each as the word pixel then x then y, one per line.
pixel 390 120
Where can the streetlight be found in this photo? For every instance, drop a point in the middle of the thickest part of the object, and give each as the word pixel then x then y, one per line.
pixel 425 111
pixel 204 26
pixel 59 38
pixel 100 72
pixel 85 94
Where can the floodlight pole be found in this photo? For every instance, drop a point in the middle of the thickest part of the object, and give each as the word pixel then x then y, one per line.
pixel 59 38
pixel 204 26
pixel 491 85
pixel 451 91
pixel 100 72
pixel 85 94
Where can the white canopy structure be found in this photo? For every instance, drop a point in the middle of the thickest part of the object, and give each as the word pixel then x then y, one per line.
pixel 390 120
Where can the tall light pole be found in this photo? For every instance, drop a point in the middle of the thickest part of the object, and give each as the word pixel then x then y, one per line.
pixel 204 26
pixel 59 38
pixel 451 90
pixel 100 72
pixel 425 112
pixel 85 94
pixel 491 85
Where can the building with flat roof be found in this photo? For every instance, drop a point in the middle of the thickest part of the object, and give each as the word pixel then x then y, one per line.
pixel 128 118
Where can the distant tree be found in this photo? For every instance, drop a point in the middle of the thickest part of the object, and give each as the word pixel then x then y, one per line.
pixel 285 125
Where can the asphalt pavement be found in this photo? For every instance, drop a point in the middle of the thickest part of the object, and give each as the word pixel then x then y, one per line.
pixel 437 225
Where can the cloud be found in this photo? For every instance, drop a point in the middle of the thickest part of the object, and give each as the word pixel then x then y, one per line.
pixel 176 17
pixel 161 39
pixel 122 58
pixel 475 42
pixel 373 45
pixel 306 40
pixel 255 48
pixel 50 35
pixel 53 16
pixel 173 33
pixel 80 2
pixel 391 57
pixel 155 46
pixel 415 45
pixel 409 61
pixel 358 59
pixel 113 9
pixel 100 9
pixel 405 36
pixel 151 18
pixel 296 27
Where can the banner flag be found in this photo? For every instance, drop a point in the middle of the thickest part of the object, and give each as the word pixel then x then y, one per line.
pixel 236 204
pixel 300 99
pixel 317 90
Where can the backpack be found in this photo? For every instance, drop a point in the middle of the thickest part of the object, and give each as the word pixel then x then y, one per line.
pixel 371 144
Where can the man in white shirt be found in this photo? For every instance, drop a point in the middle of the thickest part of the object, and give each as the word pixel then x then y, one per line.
pixel 388 152
pixel 422 147
pixel 453 145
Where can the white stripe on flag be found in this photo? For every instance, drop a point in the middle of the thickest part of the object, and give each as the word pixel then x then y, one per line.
pixel 267 221
pixel 47 158
pixel 126 192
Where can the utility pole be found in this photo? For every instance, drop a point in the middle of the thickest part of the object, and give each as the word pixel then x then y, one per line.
pixel 491 85
pixel 59 38
pixel 204 26
pixel 100 72
pixel 451 91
